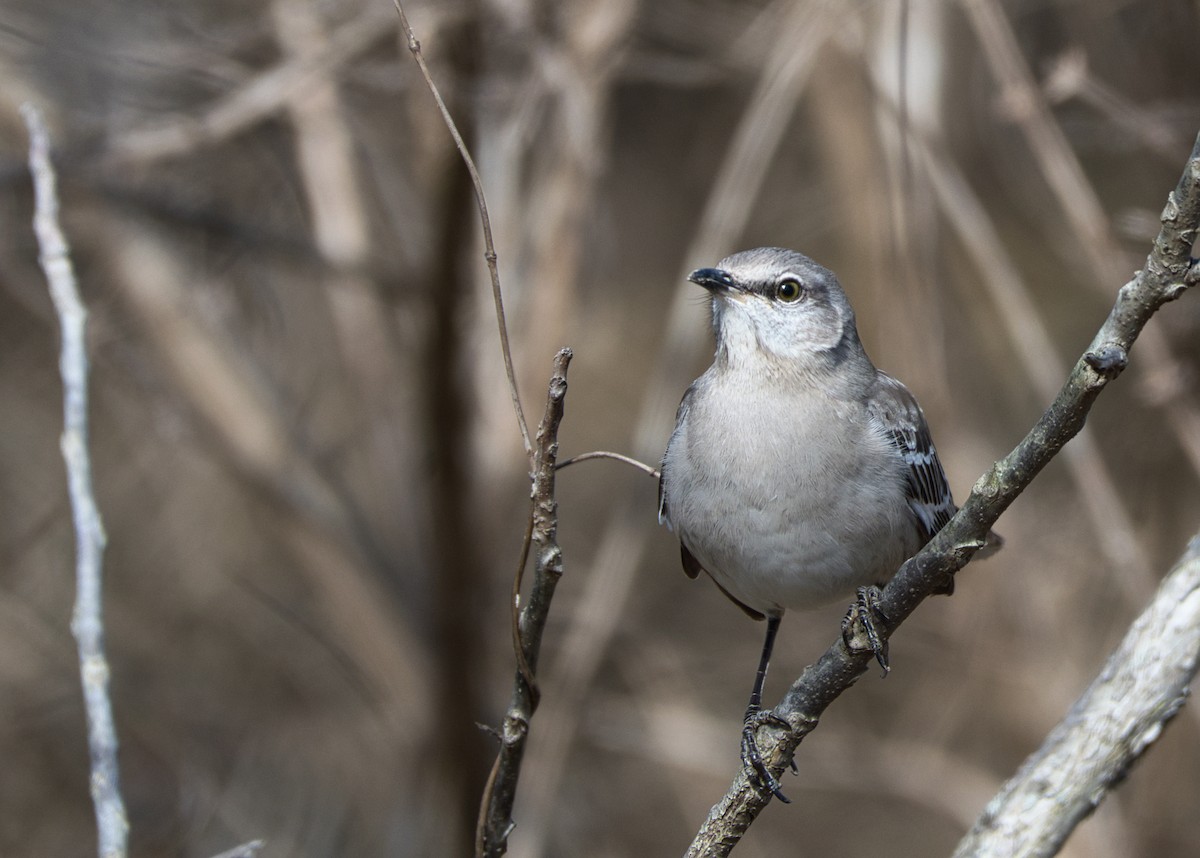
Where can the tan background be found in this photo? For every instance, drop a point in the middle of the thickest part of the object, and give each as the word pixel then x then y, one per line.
pixel 310 473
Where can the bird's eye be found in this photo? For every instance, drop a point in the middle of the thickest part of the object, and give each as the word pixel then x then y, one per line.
pixel 789 290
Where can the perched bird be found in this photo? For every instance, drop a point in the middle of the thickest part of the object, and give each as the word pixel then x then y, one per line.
pixel 797 471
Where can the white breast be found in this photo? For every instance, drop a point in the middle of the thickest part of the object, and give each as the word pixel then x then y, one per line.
pixel 788 501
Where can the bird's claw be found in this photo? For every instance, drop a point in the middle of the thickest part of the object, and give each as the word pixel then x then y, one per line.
pixel 859 630
pixel 752 759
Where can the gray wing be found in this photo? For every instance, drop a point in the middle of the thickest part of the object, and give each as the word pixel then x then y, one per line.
pixel 896 412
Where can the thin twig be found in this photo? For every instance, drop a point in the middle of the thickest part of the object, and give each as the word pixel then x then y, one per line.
pixel 1169 270
pixel 489 246
pixel 87 622
pixel 246 850
pixel 1141 688
pixel 605 454
pixel 495 814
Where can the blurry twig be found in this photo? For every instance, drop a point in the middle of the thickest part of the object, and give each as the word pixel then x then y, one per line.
pixel 261 96
pixel 1069 77
pixel 246 850
pixel 1080 205
pixel 489 253
pixel 605 454
pixel 1035 352
pixel 1169 270
pixel 495 814
pixel 87 622
pixel 1141 688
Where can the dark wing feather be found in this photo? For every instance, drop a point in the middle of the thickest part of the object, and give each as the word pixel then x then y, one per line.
pixel 896 412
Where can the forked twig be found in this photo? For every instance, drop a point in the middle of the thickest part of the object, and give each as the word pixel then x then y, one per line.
pixel 495 813
pixel 498 788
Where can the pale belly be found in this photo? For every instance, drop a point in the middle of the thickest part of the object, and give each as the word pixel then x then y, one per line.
pixel 787 513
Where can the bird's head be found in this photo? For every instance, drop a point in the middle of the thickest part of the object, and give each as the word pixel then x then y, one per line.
pixel 781 305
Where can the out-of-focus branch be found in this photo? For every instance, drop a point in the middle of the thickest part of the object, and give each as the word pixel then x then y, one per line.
pixel 489 253
pixel 1141 688
pixel 1069 77
pixel 246 850
pixel 87 622
pixel 1079 203
pixel 1035 353
pixel 1169 270
pixel 261 96
pixel 495 814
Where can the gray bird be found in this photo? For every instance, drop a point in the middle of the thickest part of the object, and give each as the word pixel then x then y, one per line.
pixel 797 471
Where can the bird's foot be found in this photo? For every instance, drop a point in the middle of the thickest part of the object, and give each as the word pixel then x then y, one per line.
pixel 752 759
pixel 859 631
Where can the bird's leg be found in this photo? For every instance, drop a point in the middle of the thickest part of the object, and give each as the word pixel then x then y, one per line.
pixel 755 718
pixel 861 618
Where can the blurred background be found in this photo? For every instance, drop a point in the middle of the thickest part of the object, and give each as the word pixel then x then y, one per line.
pixel 311 475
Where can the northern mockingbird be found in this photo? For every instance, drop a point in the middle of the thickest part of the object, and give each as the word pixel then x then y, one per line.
pixel 797 471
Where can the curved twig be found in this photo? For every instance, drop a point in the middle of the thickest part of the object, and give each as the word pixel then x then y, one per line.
pixel 489 246
pixel 605 454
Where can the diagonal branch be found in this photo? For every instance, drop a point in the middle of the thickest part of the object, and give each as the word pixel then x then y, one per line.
pixel 1142 686
pixel 1169 270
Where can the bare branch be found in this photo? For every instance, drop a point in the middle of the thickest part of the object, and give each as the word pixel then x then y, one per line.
pixel 1169 270
pixel 87 622
pixel 489 247
pixel 1142 686
pixel 495 814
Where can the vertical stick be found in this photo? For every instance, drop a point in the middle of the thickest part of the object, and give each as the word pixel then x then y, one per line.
pixel 87 623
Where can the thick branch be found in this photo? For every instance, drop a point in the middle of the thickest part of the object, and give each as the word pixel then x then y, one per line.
pixel 1169 270
pixel 1142 686
pixel 495 816
pixel 87 622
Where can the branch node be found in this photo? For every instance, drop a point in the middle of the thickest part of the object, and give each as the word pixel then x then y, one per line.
pixel 516 727
pixel 1108 361
pixel 1174 290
